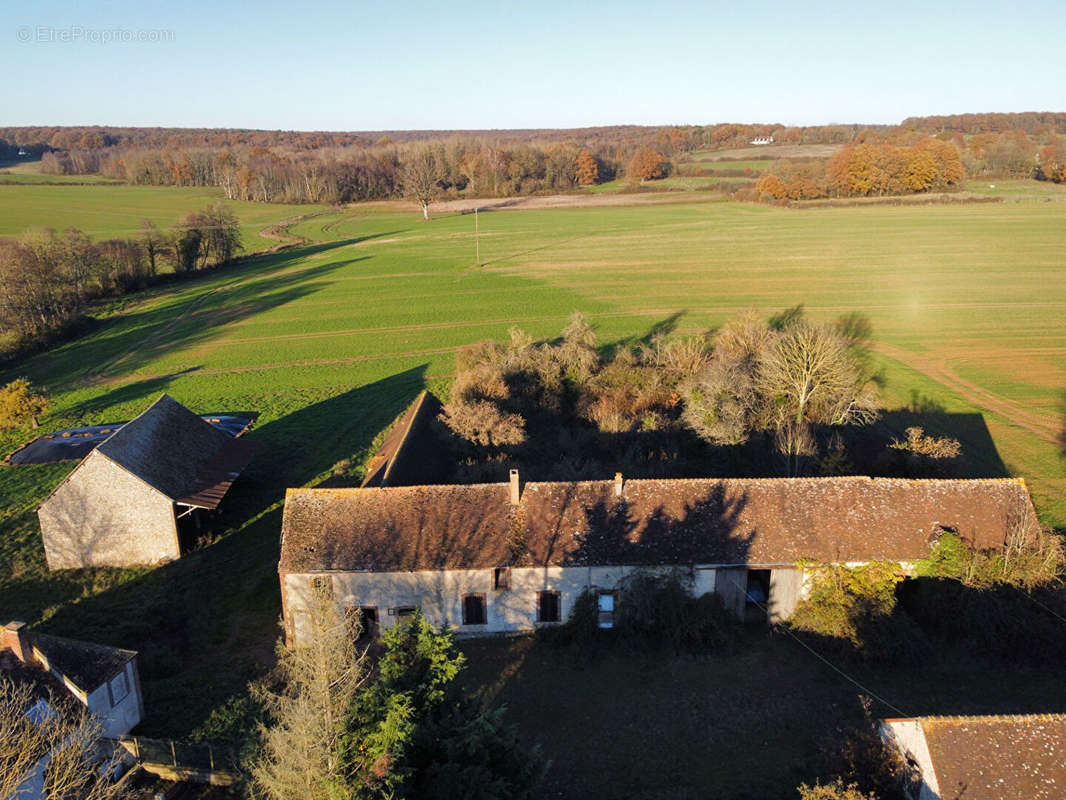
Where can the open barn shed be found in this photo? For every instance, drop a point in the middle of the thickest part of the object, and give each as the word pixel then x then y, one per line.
pixel 137 497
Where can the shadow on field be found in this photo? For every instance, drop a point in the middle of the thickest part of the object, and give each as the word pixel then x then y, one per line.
pixel 128 393
pixel 128 341
pixel 207 624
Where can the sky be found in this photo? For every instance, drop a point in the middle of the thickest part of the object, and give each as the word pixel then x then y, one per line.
pixel 417 64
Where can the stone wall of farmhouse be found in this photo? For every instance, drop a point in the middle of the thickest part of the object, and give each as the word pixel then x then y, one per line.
pixel 440 593
pixel 103 516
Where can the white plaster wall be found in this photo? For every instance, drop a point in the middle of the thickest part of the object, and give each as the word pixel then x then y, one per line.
pixel 121 718
pixel 439 594
pixel 908 737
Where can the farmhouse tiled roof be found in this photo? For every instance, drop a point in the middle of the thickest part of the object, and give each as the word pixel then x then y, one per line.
pixel 994 757
pixel 740 521
pixel 175 451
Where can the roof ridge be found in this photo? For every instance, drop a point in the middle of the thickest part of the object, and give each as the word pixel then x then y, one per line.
pixel 830 479
pixel 962 719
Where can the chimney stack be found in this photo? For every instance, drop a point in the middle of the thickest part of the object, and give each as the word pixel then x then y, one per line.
pixel 618 484
pixel 14 636
pixel 516 495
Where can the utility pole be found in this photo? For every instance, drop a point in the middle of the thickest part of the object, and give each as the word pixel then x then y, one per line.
pixel 477 239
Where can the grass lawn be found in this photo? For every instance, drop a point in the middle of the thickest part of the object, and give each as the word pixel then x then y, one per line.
pixel 104 212
pixel 329 341
pixel 724 166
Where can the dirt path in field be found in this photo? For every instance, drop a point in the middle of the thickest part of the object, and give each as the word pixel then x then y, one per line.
pixel 938 370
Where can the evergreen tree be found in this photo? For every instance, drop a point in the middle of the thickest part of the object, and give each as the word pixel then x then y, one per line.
pixel 411 733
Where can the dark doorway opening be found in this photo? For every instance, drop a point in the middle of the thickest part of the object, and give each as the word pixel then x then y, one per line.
pixel 757 596
pixel 192 528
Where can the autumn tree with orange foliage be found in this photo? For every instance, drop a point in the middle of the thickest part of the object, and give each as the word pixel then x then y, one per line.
pixel 877 170
pixel 646 165
pixel 770 186
pixel 1052 162
pixel 587 170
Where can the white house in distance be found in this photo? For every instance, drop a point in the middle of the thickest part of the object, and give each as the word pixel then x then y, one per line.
pixel 103 679
pixel 761 140
pixel 982 757
pixel 497 558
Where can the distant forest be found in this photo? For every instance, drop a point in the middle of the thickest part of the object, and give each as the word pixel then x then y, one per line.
pixel 316 167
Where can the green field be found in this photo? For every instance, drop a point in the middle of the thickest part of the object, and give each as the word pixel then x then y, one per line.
pixel 327 342
pixel 104 212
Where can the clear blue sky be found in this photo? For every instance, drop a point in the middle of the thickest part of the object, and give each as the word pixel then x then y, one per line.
pixel 419 64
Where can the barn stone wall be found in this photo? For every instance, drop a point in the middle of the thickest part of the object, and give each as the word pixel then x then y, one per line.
pixel 104 516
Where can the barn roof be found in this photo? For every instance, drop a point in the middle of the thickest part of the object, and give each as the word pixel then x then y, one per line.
pixel 178 453
pixel 406 457
pixel 993 757
pixel 738 521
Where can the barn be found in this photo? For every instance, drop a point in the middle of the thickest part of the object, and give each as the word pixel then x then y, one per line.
pixel 136 498
pixel 498 558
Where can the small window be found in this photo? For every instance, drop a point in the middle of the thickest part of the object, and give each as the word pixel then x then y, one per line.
pixel 548 607
pixel 322 586
pixel 605 606
pixel 501 579
pixel 403 613
pixel 119 688
pixel 474 609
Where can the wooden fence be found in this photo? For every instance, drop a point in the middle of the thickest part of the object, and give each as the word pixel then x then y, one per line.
pixel 185 761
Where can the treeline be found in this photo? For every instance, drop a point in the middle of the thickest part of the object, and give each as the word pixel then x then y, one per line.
pixel 476 168
pixel 867 170
pixel 1037 123
pixel 48 278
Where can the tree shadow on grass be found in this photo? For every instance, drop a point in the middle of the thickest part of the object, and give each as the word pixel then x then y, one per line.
pixel 128 341
pixel 207 624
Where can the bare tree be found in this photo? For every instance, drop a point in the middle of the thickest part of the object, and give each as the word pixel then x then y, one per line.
pixel 421 178
pixel 813 377
pixel 21 744
pixel 300 758
pixel 723 404
pixel 62 740
pixel 154 243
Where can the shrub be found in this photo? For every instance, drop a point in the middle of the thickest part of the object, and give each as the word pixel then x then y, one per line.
pixel 19 404
pixel 1026 561
pixel 656 611
pixel 841 597
pixel 833 791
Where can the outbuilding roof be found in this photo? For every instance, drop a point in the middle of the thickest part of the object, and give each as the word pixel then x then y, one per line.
pixel 708 521
pixel 85 663
pixel 995 757
pixel 178 453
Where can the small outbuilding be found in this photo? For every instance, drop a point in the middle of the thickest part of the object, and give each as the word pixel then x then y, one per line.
pixel 135 499
pixel 57 670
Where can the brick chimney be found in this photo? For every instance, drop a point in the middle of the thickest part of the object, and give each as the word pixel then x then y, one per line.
pixel 15 637
pixel 516 493
pixel 618 484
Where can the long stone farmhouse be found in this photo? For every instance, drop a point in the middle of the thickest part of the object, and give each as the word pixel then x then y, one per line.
pixel 494 558
pixel 136 496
